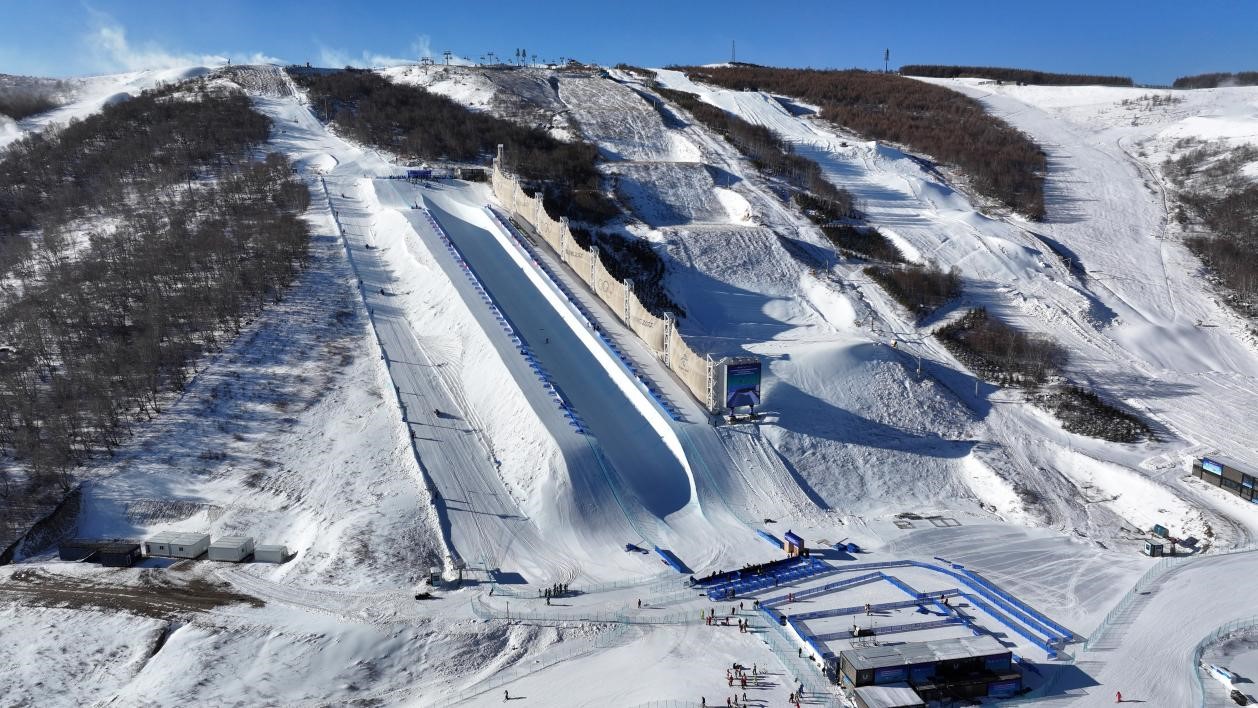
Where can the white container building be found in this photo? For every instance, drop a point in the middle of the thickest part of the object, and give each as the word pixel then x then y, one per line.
pixel 176 544
pixel 270 554
pixel 232 549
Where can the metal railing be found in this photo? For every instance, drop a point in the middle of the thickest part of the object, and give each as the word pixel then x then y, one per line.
pixel 559 615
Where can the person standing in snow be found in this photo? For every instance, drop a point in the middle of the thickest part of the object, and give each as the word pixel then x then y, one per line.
pixel 1118 696
pixel 506 696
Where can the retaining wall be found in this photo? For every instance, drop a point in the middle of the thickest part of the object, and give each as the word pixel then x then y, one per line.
pixel 659 333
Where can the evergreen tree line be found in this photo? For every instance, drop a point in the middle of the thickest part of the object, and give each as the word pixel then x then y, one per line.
pixel 998 160
pixel 414 123
pixel 1024 76
pixel 1215 80
pixel 765 150
pixel 199 238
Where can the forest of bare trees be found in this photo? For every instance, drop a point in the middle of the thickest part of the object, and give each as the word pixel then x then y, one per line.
pixel 414 123
pixel 999 352
pixel 862 242
pixel 920 289
pixel 1215 191
pixel 1215 80
pixel 137 238
pixel 998 160
pixel 23 96
pixel 1024 76
pixel 765 150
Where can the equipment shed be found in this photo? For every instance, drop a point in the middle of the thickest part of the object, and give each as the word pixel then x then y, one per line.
pixel 177 544
pixel 78 549
pixel 119 555
pixel 232 549
pixel 270 554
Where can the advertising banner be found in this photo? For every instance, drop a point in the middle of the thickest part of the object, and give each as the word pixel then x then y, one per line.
pixel 742 384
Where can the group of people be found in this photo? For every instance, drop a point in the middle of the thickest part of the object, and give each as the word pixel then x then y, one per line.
pixel 723 576
pixel 556 590
pixel 738 677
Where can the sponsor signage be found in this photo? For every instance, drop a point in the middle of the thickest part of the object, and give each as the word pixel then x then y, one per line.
pixel 742 384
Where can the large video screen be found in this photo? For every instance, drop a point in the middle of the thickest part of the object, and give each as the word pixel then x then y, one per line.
pixel 742 384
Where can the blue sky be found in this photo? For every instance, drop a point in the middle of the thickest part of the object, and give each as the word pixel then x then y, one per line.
pixel 1152 40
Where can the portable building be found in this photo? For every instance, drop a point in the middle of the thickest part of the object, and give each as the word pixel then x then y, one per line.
pixel 963 667
pixel 1157 547
pixel 896 695
pixel 793 544
pixel 1228 475
pixel 78 549
pixel 231 548
pixel 270 554
pixel 119 555
pixel 177 544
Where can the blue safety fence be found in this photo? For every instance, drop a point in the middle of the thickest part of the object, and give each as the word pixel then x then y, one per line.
pixel 1003 600
pixel 769 537
pixel 1062 632
pixel 934 598
pixel 890 629
pixel 809 568
pixel 836 586
pixel 672 560
pixel 999 616
pixel 1018 629
pixel 588 318
pixel 521 346
pixel 985 596
pixel 803 634
pixel 920 600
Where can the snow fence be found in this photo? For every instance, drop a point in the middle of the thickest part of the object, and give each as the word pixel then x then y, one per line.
pixel 659 333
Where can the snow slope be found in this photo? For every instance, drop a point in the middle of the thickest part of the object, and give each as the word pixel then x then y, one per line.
pixel 382 418
pixel 1012 268
pixel 96 92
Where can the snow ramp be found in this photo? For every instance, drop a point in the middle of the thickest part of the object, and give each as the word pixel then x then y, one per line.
pixel 641 452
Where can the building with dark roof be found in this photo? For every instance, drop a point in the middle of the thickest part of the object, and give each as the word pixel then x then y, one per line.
pixel 945 669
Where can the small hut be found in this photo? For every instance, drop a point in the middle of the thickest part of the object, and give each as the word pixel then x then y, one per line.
pixel 232 549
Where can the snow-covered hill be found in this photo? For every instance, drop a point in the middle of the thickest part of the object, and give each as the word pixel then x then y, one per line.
pixel 402 408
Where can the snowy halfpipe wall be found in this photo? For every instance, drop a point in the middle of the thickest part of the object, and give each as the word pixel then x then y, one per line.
pixel 659 333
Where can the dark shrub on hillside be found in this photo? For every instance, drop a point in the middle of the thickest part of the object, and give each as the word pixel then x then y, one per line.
pixel 765 150
pixel 1026 76
pixel 1083 412
pixel 863 242
pixel 999 161
pixel 999 352
pixel 633 259
pixel 20 106
pixel 1243 78
pixel 822 211
pixel 24 96
pixel 414 123
pixel 920 289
